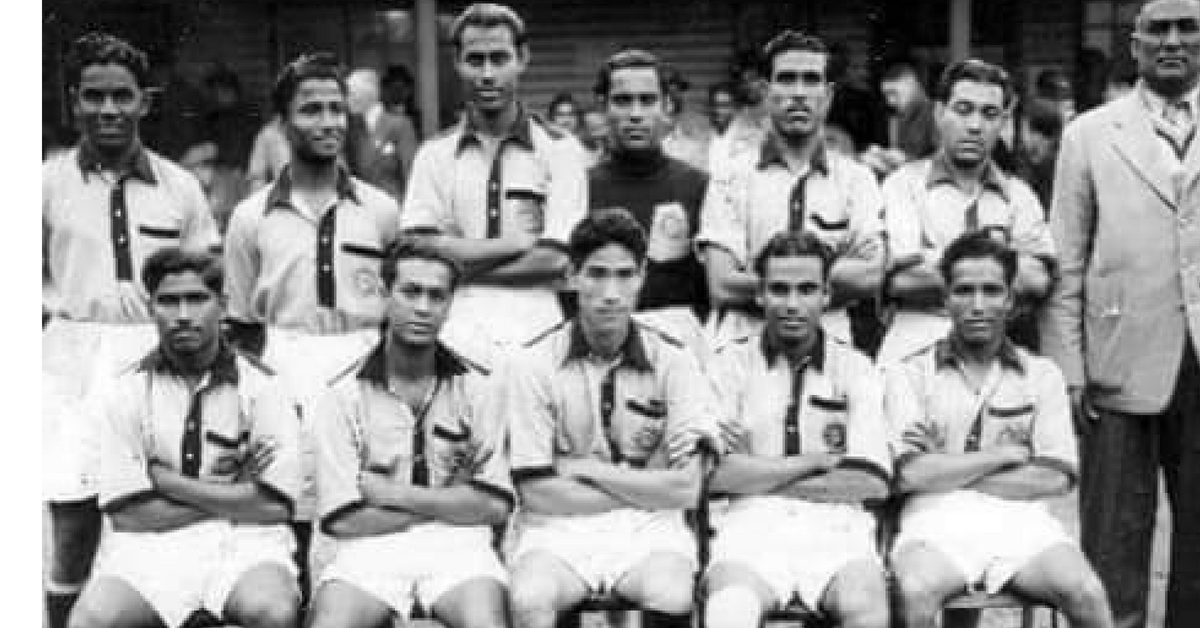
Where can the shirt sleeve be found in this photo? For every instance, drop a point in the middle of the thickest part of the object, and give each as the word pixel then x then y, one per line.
pixel 902 222
pixel 1054 443
pixel 529 413
pixel 1031 233
pixel 866 216
pixel 241 262
pixel 276 419
pixel 338 455
pixel 691 402
pixel 566 202
pixel 912 431
pixel 426 206
pixel 490 437
pixel 868 437
pixel 199 227
pixel 124 463
pixel 723 219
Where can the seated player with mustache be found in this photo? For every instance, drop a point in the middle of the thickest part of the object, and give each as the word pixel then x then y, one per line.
pixel 984 431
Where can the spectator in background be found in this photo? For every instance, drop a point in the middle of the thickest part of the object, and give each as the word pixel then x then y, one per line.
pixel 384 153
pixel 749 126
pixel 564 112
pixel 1053 87
pixel 1120 81
pixel 688 137
pixel 595 136
pixel 911 129
pixel 1041 127
pixel 397 91
pixel 722 104
pixel 855 109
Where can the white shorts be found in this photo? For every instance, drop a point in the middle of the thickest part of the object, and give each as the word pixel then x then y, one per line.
pixel 418 565
pixel 195 567
pixel 602 548
pixel 305 364
pixel 796 547
pixel 79 360
pixel 988 538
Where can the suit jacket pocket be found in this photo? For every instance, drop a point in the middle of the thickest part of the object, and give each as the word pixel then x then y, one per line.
pixel 1105 326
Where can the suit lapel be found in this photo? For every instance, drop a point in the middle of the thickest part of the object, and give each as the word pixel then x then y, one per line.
pixel 1135 141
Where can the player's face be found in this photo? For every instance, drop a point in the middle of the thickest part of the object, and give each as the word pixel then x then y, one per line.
pixel 608 283
pixel 109 105
pixel 636 109
pixel 490 65
pixel 793 293
pixel 316 121
pixel 978 300
pixel 970 121
pixel 419 301
pixel 187 313
pixel 1166 45
pixel 798 93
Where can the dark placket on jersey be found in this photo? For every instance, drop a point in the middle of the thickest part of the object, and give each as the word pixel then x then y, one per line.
pixel 190 450
pixel 796 203
pixel 791 421
pixel 608 396
pixel 493 193
pixel 420 464
pixel 119 215
pixel 326 234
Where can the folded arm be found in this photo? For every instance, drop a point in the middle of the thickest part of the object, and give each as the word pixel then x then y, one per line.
pixel 1028 481
pixel 249 501
pixel 941 472
pixel 460 504
pixel 649 489
pixel 744 474
pixel 362 519
pixel 151 511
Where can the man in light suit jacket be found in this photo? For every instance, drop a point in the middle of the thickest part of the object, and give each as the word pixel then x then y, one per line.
pixel 1124 321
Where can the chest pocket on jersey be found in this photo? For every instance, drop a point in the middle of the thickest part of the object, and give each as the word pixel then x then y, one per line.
pixel 1010 424
pixel 168 233
pixel 454 451
pixel 830 415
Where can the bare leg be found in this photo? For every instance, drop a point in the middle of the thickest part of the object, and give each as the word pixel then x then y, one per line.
pixel 112 603
pixel 266 596
pixel 339 604
pixel 735 596
pixel 477 603
pixel 1062 576
pixel 926 578
pixel 543 586
pixel 858 596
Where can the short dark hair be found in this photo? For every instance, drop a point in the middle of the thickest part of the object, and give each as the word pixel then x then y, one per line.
pixel 790 40
pixel 487 15
pixel 1044 119
pixel 794 244
pixel 319 65
pixel 632 58
pixel 899 68
pixel 976 71
pixel 614 225
pixel 563 98
pixel 101 48
pixel 978 245
pixel 175 260
pixel 413 247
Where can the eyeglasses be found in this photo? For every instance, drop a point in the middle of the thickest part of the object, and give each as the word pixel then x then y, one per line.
pixel 1157 32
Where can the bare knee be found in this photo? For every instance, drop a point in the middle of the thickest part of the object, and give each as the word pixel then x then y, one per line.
pixel 1083 595
pixel 862 604
pixel 529 592
pixel 92 613
pixel 269 612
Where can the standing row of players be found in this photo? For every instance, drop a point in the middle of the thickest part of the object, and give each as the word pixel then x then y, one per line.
pixel 499 194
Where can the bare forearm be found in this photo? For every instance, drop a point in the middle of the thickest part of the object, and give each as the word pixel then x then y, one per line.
pixel 743 474
pixel 1033 279
pixel 855 278
pixel 460 505
pixel 565 496
pixel 152 512
pixel 537 266
pixel 480 255
pixel 366 520
pixel 937 473
pixel 650 489
pixel 239 501
pixel 1027 482
pixel 918 285
pixel 839 485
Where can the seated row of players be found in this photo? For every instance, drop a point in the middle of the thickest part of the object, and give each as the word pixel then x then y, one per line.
pixel 605 419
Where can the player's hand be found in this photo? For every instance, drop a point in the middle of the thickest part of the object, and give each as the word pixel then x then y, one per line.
pixel 1083 413
pixel 374 485
pixel 735 438
pixel 256 460
pixel 133 304
pixel 827 462
pixel 1014 454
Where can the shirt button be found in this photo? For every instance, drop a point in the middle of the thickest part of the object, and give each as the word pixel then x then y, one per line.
pixel 117 213
pixel 191 456
pixel 325 267
pixel 191 426
pixel 120 239
pixel 325 240
pixel 494 186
